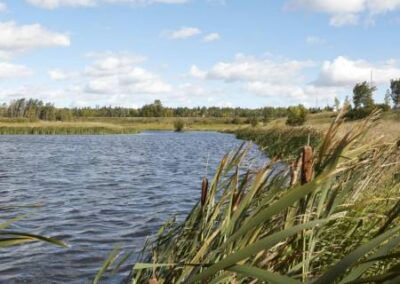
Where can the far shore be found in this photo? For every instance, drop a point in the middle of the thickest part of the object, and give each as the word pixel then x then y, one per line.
pixel 388 127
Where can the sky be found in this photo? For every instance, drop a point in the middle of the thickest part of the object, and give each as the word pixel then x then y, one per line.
pixel 239 53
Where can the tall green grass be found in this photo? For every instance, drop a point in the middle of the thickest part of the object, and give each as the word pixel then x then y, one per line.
pixel 255 226
pixel 281 141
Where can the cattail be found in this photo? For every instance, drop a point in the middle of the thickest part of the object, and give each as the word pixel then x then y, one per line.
pixel 294 169
pixel 204 191
pixel 307 165
pixel 153 281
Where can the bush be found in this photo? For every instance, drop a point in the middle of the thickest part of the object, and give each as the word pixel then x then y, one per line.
pixel 359 113
pixel 253 121
pixel 296 115
pixel 179 125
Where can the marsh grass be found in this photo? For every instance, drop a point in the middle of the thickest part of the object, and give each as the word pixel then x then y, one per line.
pixel 110 125
pixel 281 142
pixel 341 227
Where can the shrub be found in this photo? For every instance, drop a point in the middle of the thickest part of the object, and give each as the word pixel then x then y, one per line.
pixel 253 121
pixel 179 125
pixel 296 115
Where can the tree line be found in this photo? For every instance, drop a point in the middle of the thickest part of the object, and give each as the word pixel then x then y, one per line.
pixel 362 104
pixel 34 109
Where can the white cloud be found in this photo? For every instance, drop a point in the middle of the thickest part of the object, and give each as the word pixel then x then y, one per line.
pixel 53 4
pixel 14 38
pixel 183 33
pixel 346 12
pixel 9 71
pixel 212 37
pixel 248 68
pixel 340 20
pixel 346 72
pixel 60 75
pixel 118 73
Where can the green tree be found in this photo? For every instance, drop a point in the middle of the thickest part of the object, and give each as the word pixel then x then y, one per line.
pixel 395 92
pixel 362 96
pixel 296 115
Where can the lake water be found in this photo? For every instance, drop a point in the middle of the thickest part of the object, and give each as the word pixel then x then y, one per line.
pixel 97 192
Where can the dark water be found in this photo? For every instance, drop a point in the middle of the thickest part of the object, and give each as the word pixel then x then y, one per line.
pixel 97 192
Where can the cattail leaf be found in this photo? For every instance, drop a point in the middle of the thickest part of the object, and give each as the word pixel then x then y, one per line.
pixel 33 237
pixel 382 253
pixel 262 275
pixel 6 224
pixel 252 249
pixel 7 242
pixel 107 263
pixel 340 268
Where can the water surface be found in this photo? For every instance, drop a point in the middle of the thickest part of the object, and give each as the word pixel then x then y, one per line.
pixel 97 192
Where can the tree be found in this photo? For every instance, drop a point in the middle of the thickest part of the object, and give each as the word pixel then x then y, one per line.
pixel 362 96
pixel 395 92
pixel 296 115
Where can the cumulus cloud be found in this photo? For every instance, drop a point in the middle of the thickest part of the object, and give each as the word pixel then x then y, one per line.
pixel 15 38
pixel 118 73
pixel 61 75
pixel 183 33
pixel 249 68
pixel 346 72
pixel 212 37
pixel 9 71
pixel 346 12
pixel 53 4
pixel 268 76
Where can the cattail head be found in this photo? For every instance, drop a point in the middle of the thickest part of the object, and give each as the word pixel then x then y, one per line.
pixel 153 281
pixel 307 165
pixel 204 191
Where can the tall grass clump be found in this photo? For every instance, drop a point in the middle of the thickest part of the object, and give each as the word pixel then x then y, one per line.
pixel 179 125
pixel 336 222
pixel 281 141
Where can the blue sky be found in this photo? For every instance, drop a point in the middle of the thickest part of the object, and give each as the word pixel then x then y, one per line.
pixel 196 52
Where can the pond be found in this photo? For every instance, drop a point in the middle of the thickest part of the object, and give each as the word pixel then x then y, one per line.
pixel 97 192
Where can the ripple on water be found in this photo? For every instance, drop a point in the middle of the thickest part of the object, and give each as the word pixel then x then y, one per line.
pixel 97 192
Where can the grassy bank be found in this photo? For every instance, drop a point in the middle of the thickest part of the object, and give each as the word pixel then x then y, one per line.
pixel 111 125
pixel 257 225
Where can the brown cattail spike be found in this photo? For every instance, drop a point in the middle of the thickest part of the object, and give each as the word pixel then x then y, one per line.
pixel 204 191
pixel 153 281
pixel 307 165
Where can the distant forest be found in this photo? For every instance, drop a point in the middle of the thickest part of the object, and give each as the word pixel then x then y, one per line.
pixel 34 109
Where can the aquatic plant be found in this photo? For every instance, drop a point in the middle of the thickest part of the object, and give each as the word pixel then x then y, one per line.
pixel 282 142
pixel 338 225
pixel 179 125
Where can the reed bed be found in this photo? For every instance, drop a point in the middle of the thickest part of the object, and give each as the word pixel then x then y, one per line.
pixel 281 141
pixel 340 225
pixel 64 130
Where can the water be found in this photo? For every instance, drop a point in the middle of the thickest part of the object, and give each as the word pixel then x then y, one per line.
pixel 97 192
